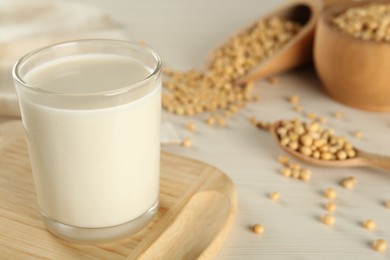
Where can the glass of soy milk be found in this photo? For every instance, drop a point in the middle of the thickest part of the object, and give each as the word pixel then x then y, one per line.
pixel 91 113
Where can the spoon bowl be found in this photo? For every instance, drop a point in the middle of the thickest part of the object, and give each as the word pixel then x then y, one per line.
pixel 298 50
pixel 362 158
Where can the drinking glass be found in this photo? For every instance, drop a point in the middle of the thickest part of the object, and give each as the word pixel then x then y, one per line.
pixel 91 113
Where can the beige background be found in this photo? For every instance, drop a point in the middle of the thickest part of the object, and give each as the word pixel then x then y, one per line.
pixel 184 32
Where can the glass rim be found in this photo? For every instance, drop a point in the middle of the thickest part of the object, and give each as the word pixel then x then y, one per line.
pixel 117 91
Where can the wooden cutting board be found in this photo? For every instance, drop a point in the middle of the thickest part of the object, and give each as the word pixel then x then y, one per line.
pixel 197 207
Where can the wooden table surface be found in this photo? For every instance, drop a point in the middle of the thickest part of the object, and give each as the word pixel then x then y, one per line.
pixel 184 32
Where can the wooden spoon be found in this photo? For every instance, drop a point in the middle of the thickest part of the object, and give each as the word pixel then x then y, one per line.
pixel 362 158
pixel 298 50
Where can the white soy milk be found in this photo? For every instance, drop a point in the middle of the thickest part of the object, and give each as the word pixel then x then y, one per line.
pixel 93 167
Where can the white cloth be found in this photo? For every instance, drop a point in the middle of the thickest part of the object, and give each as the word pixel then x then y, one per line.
pixel 26 25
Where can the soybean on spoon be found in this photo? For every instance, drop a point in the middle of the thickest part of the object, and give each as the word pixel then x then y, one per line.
pixel 362 158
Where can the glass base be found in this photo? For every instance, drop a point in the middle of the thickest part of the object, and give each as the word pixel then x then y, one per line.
pixel 99 235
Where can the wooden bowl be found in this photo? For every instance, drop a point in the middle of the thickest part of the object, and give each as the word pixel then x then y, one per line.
pixel 353 71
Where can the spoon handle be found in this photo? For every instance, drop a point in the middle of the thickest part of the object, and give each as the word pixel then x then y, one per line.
pixel 375 160
pixel 331 2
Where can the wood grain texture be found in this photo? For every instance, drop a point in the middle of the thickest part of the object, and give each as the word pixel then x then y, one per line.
pixel 197 207
pixel 353 71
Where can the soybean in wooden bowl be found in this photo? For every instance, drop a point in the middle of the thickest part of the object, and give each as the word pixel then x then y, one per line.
pixel 354 71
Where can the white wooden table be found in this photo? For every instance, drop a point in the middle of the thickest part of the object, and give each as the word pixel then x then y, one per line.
pixel 184 32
